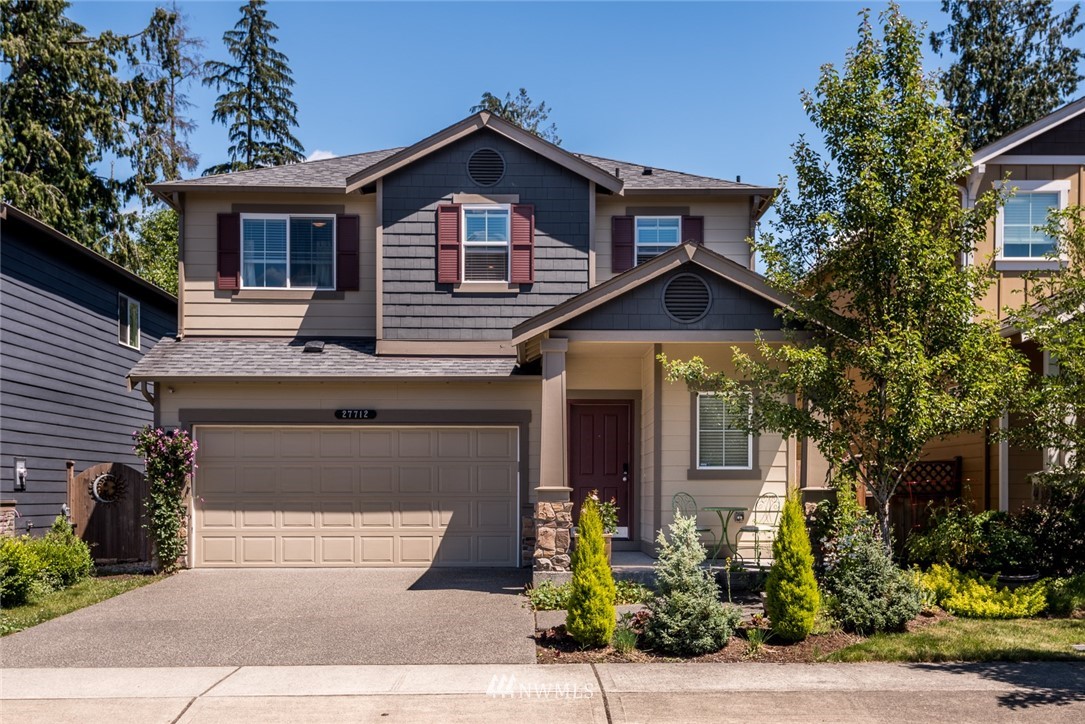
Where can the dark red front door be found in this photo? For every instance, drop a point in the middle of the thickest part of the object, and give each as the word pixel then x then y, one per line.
pixel 601 454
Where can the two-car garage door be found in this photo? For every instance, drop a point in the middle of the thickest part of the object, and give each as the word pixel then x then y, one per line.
pixel 355 496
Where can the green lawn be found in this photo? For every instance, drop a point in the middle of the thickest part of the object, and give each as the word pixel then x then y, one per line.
pixel 85 593
pixel 1027 639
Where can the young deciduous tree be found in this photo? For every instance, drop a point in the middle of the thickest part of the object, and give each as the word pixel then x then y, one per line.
pixel 869 246
pixel 1056 321
pixel 257 101
pixel 1014 62
pixel 521 111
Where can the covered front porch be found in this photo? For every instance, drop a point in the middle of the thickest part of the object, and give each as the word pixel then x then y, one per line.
pixel 610 421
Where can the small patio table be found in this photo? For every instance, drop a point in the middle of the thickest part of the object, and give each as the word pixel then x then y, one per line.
pixel 726 513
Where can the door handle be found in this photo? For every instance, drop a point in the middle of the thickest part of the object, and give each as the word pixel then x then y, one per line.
pixel 625 473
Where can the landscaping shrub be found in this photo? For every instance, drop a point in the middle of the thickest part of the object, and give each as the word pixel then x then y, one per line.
pixel 65 557
pixel 791 592
pixel 1057 529
pixel 21 571
pixel 954 537
pixel 170 460
pixel 1066 596
pixel 869 593
pixel 590 620
pixel 549 596
pixel 972 596
pixel 687 617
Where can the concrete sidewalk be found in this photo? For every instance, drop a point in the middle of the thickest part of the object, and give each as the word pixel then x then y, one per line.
pixel 1049 692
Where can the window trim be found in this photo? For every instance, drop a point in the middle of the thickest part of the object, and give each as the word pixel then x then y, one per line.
pixel 464 243
pixel 751 449
pixel 287 216
pixel 1059 186
pixel 636 233
pixel 124 328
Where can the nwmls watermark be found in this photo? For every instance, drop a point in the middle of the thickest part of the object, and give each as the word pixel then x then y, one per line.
pixel 508 687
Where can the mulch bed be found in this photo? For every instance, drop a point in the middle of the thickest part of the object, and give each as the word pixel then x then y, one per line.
pixel 555 646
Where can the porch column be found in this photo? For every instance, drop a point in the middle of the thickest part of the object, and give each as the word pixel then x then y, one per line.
pixel 1004 463
pixel 553 497
pixel 553 445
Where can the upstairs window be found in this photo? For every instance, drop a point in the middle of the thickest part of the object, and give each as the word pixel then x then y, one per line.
pixel 655 235
pixel 280 251
pixel 1021 239
pixel 1018 235
pixel 486 243
pixel 722 442
pixel 128 321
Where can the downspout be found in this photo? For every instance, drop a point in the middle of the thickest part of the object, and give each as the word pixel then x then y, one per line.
pixel 179 204
pixel 1004 463
pixel 987 465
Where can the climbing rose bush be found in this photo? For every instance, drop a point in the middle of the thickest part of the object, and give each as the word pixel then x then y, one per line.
pixel 170 458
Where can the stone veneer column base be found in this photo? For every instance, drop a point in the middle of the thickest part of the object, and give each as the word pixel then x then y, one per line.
pixel 553 539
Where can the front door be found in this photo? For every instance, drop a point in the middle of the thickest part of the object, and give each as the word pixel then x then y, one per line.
pixel 601 455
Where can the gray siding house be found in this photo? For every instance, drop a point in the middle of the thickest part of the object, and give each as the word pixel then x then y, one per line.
pixel 72 323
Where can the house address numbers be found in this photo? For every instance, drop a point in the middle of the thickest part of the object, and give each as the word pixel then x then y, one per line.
pixel 355 414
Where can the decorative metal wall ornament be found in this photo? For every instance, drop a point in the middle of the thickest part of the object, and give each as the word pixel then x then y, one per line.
pixel 107 488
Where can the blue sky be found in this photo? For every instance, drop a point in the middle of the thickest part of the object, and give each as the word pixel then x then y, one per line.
pixel 707 88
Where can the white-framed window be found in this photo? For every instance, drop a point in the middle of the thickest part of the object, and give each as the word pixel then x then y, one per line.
pixel 1017 231
pixel 486 235
pixel 284 251
pixel 654 235
pixel 127 321
pixel 722 440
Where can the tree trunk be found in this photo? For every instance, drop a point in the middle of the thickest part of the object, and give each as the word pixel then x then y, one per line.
pixel 885 527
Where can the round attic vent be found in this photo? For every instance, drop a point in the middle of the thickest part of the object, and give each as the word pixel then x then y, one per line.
pixel 486 167
pixel 686 298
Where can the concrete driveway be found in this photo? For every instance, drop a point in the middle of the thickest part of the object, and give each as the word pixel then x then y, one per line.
pixel 293 617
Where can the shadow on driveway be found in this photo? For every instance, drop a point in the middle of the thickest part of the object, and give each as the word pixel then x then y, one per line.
pixel 293 617
pixel 1038 683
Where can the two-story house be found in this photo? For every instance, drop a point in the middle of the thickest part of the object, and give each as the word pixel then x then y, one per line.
pixel 72 323
pixel 397 358
pixel 1044 165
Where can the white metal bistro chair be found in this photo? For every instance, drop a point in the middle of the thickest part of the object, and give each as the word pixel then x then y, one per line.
pixel 764 520
pixel 683 504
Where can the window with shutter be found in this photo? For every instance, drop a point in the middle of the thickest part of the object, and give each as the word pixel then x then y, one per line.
pixel 621 243
pixel 281 251
pixel 448 244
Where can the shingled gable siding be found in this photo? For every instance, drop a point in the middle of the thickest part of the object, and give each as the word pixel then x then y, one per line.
pixel 1066 139
pixel 62 390
pixel 642 308
pixel 416 307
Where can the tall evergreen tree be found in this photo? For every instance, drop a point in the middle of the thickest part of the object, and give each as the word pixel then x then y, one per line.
pixel 521 111
pixel 62 111
pixel 256 102
pixel 1013 63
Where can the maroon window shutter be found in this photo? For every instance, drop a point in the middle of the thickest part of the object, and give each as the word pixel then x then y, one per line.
pixel 523 244
pixel 448 244
pixel 693 229
pixel 348 247
pixel 229 252
pixel 621 243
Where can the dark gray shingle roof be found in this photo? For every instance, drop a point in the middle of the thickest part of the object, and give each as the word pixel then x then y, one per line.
pixel 192 358
pixel 632 174
pixel 332 174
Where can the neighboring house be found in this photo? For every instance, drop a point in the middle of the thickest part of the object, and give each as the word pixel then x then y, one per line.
pixel 1044 163
pixel 72 323
pixel 402 357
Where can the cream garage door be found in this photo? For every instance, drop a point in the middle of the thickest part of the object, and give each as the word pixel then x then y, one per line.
pixel 355 496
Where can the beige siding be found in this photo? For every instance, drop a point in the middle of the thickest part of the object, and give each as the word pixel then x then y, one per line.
pixel 1011 288
pixel 209 312
pixel 373 395
pixel 676 442
pixel 727 224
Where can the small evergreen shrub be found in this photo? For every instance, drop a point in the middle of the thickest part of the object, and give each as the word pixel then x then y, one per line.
pixel 869 593
pixel 791 591
pixel 591 616
pixel 686 616
pixel 549 596
pixel 970 595
pixel 21 571
pixel 65 557
pixel 1066 596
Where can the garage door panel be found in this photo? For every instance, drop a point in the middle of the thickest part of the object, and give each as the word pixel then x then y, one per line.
pixel 356 496
pixel 416 478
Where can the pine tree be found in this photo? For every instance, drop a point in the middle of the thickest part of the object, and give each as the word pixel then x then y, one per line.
pixel 521 111
pixel 591 618
pixel 791 592
pixel 62 110
pixel 256 103
pixel 1013 63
